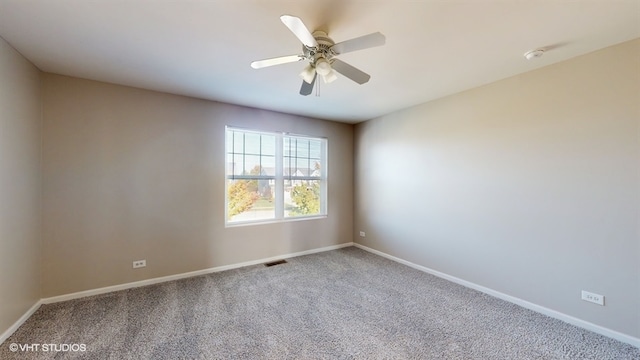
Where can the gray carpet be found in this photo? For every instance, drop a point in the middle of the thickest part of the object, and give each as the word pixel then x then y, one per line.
pixel 342 304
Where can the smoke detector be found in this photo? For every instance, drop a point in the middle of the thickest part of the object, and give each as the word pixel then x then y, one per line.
pixel 533 54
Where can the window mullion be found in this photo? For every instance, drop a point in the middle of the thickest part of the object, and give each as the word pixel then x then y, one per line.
pixel 279 177
pixel 324 176
pixel 244 152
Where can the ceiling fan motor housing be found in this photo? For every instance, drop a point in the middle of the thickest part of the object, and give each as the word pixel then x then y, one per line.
pixel 323 50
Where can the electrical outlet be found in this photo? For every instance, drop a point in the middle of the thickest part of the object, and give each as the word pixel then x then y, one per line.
pixel 362 234
pixel 139 264
pixel 594 298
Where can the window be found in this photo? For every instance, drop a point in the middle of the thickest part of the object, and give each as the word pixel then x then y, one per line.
pixel 274 176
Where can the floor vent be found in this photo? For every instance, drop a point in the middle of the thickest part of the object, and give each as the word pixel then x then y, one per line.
pixel 277 262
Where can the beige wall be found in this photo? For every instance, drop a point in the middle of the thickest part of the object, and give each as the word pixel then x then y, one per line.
pixel 133 174
pixel 20 185
pixel 528 186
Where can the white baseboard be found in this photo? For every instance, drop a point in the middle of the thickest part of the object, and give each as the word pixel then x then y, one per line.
pixel 531 306
pixel 135 284
pixel 525 304
pixel 5 335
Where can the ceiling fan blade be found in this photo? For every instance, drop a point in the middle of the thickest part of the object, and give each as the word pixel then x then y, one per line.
pixel 259 64
pixel 349 71
pixel 298 29
pixel 359 43
pixel 307 88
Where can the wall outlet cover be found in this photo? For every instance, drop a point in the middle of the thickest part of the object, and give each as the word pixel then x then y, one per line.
pixel 592 297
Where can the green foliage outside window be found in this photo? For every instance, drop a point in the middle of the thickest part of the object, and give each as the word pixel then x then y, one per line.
pixel 307 199
pixel 240 198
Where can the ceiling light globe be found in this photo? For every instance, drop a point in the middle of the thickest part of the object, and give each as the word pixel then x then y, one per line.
pixel 330 77
pixel 308 74
pixel 322 66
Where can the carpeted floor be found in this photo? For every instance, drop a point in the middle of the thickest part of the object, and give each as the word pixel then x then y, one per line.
pixel 342 304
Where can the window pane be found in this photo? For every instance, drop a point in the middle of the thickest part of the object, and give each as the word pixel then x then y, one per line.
pixel 301 198
pixel 302 148
pixel 237 163
pixel 252 143
pixel 229 141
pixel 268 145
pixel 269 165
pixel 316 169
pixel 315 149
pixel 251 165
pixel 238 142
pixel 303 166
pixel 288 149
pixel 250 200
pixel 230 164
pixel 302 156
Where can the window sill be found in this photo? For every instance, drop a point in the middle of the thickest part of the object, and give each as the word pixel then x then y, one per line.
pixel 274 221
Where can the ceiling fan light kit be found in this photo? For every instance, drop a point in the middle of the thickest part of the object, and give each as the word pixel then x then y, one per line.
pixel 320 51
pixel 330 77
pixel 308 74
pixel 322 66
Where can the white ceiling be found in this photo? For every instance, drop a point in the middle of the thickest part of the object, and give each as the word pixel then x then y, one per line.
pixel 203 48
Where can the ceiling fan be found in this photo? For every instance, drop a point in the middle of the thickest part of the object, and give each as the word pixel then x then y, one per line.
pixel 321 51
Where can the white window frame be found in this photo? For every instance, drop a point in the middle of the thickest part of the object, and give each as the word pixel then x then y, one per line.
pixel 279 178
